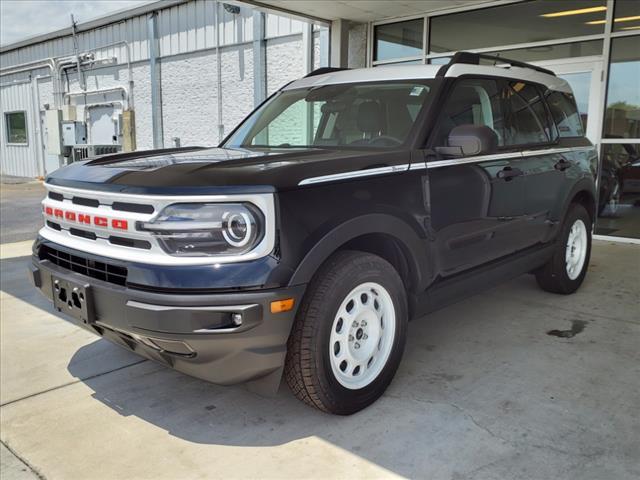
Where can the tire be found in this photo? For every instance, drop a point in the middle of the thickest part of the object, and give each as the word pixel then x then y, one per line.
pixel 328 327
pixel 566 269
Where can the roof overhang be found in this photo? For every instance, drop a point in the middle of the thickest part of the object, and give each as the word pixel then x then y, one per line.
pixel 324 11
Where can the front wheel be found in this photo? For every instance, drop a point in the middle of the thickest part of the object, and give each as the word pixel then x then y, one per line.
pixel 349 334
pixel 565 271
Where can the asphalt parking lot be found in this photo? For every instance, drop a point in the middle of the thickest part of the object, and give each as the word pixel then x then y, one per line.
pixel 512 383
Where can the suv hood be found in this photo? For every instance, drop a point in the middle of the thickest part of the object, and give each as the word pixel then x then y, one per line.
pixel 217 170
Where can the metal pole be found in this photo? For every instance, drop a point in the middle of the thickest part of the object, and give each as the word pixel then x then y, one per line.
pixel 76 51
pixel 259 60
pixel 154 71
pixel 219 73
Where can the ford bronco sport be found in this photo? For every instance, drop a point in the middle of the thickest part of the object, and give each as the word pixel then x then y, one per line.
pixel 349 202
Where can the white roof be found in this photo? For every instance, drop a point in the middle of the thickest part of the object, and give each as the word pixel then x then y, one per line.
pixel 412 72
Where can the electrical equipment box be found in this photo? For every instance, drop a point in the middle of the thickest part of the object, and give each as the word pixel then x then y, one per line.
pixel 69 113
pixel 74 133
pixel 53 121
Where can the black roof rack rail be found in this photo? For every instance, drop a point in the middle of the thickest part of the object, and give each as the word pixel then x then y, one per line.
pixel 474 59
pixel 323 70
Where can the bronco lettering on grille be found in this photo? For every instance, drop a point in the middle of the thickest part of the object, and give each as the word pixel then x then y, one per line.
pixel 85 218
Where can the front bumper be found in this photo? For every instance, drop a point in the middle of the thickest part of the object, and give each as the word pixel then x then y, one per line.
pixel 193 333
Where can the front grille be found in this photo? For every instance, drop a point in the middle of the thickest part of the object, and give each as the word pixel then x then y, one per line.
pixel 105 224
pixel 87 202
pixel 85 266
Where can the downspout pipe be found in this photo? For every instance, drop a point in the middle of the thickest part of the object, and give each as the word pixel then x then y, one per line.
pixel 127 49
pixel 50 63
pixel 219 72
pixel 154 72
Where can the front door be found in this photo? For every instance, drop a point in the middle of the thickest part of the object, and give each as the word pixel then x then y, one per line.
pixel 477 204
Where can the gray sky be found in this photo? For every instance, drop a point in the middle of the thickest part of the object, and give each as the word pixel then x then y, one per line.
pixel 20 19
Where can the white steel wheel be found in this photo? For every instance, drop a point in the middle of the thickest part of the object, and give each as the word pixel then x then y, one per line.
pixel 576 250
pixel 362 335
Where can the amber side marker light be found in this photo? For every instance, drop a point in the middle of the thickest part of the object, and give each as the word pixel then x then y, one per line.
pixel 280 306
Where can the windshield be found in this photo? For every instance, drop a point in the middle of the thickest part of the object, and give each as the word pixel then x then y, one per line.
pixel 374 114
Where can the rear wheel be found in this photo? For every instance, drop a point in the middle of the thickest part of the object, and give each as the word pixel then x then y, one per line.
pixel 349 334
pixel 565 271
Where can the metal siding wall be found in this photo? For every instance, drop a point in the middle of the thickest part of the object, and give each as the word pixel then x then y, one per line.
pixel 278 26
pixel 182 28
pixel 19 160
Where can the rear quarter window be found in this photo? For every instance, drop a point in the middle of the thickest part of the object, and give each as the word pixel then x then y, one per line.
pixel 565 114
pixel 526 119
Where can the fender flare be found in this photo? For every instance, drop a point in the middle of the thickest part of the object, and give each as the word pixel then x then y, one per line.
pixel 413 246
pixel 585 184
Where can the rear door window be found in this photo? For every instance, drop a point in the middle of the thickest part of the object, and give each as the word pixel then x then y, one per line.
pixel 526 119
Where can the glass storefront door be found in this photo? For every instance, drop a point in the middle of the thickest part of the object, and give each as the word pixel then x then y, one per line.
pixel 583 74
pixel 619 182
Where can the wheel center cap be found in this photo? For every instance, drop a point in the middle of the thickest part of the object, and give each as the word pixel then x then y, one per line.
pixel 359 334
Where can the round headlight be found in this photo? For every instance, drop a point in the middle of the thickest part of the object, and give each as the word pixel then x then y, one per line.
pixel 202 229
pixel 237 228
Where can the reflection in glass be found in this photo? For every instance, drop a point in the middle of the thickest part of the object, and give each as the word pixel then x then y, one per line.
pixel 580 83
pixel 404 62
pixel 622 118
pixel 552 52
pixel 439 60
pixel 398 40
pixel 521 22
pixel 619 191
pixel 628 11
pixel 16 127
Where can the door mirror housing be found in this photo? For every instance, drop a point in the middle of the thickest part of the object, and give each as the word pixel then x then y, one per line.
pixel 470 140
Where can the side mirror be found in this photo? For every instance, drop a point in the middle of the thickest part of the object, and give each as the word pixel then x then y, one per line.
pixel 469 140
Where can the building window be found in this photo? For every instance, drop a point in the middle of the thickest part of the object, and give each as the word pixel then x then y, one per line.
pixel 16 127
pixel 398 40
pixel 622 117
pixel 619 191
pixel 526 22
pixel 552 52
pixel 626 16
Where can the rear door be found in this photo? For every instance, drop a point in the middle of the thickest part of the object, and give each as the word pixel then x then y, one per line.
pixel 530 129
pixel 477 204
pixel 549 129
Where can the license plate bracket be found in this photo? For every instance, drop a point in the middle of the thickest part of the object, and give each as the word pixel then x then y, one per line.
pixel 73 299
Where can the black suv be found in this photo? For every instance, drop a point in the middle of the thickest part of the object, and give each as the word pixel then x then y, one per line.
pixel 346 204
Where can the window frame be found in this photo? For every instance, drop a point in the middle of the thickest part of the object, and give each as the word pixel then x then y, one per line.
pixel 551 123
pixel 502 82
pixel 413 139
pixel 7 128
pixel 569 137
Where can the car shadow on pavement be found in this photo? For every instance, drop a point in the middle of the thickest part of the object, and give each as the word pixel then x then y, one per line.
pixel 202 412
pixel 15 281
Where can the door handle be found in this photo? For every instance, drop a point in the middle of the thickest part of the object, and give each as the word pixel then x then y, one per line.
pixel 562 165
pixel 507 173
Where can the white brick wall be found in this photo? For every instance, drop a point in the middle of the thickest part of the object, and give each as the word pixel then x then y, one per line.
pixel 189 96
pixel 284 62
pixel 189 89
pixel 237 85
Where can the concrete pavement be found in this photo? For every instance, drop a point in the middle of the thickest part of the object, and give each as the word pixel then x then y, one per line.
pixel 20 210
pixel 483 392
